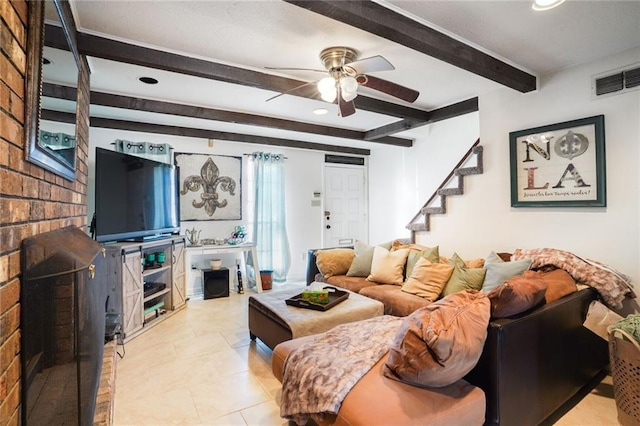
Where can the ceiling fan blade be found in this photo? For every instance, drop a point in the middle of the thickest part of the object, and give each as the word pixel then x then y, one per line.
pixel 288 92
pixel 295 69
pixel 346 108
pixel 367 65
pixel 388 87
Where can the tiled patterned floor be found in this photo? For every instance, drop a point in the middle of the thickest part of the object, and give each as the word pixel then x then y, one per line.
pixel 199 367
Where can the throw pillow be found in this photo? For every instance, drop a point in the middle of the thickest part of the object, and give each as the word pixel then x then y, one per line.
pixel 398 245
pixel 498 273
pixel 427 279
pixel 332 262
pixel 431 254
pixel 361 265
pixel 517 294
pixel 559 284
pixel 387 267
pixel 440 343
pixel 493 258
pixel 463 277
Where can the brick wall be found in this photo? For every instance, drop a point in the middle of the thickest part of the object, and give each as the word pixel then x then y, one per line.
pixel 32 200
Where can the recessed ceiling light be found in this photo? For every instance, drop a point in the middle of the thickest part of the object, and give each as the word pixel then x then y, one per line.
pixel 148 80
pixel 320 111
pixel 545 4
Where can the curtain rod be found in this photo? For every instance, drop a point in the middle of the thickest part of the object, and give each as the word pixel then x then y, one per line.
pixel 251 155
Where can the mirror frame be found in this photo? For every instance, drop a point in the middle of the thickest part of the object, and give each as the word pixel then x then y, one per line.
pixel 34 152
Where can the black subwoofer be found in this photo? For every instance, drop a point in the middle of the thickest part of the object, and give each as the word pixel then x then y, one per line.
pixel 215 283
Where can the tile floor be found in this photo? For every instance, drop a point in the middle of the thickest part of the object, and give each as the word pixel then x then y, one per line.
pixel 199 367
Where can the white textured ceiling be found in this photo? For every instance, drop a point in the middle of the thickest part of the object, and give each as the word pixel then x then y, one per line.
pixel 257 34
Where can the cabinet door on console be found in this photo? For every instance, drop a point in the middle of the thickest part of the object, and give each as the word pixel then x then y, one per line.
pixel 133 292
pixel 178 291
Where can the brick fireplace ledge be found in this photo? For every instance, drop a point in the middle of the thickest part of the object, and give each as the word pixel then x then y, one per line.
pixel 105 400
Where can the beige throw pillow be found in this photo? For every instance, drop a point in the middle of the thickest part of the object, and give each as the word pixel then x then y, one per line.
pixel 332 262
pixel 428 279
pixel 387 267
pixel 361 265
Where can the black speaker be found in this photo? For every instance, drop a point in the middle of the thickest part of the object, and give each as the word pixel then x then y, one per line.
pixel 215 283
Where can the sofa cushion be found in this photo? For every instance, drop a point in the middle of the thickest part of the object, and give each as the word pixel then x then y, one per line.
pixel 361 264
pixel 518 294
pixel 428 279
pixel 387 267
pixel 354 284
pixel 429 253
pixel 440 343
pixel 498 271
pixel 334 261
pixel 396 302
pixel 559 284
pixel 464 277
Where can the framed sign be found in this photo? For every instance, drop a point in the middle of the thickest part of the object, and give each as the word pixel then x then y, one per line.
pixel 210 186
pixel 559 165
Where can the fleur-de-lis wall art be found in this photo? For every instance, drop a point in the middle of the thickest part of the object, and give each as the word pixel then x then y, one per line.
pixel 208 187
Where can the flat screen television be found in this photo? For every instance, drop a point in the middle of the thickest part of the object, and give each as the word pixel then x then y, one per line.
pixel 136 198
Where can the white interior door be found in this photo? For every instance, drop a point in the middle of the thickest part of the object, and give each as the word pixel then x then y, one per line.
pixel 345 205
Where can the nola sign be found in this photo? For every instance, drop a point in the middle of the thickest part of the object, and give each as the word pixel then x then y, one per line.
pixel 559 165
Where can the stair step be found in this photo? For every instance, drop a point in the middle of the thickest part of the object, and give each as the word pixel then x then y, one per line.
pixel 434 210
pixel 451 191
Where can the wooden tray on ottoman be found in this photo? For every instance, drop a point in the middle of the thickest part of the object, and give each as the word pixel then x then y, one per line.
pixel 335 296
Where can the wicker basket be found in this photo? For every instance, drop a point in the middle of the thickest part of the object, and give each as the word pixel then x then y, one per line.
pixel 624 353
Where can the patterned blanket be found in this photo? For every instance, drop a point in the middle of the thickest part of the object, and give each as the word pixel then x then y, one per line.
pixel 319 374
pixel 611 284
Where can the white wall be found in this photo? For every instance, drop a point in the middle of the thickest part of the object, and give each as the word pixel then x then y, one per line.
pixel 483 219
pixel 304 175
pixel 402 179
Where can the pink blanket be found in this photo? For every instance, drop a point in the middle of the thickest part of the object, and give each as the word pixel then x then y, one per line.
pixel 611 284
pixel 319 374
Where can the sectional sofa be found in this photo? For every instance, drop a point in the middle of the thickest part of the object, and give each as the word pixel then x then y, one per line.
pixel 533 363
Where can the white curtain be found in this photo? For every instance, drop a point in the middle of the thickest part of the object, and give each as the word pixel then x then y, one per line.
pixel 269 225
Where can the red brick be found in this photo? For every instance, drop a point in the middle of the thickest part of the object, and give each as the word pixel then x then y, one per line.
pixel 10 182
pixel 9 407
pixel 9 295
pixel 10 75
pixel 4 274
pixel 29 187
pixel 4 153
pixel 37 210
pixel 14 22
pixel 14 264
pixel 10 129
pixel 9 348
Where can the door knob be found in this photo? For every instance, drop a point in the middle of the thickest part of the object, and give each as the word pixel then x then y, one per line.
pixel 328 226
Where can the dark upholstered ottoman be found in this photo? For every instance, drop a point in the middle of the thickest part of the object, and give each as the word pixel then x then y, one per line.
pixel 273 321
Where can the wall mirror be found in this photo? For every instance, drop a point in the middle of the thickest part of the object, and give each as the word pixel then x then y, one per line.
pixel 50 122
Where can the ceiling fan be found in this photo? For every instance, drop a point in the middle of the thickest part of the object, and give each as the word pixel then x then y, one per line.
pixel 346 74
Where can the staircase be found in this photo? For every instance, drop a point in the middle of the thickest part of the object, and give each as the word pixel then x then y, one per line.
pixel 453 184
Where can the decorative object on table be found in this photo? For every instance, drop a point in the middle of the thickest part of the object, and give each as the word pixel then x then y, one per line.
pixel 335 296
pixel 151 260
pixel 238 236
pixel 160 257
pixel 210 187
pixel 219 241
pixel 215 263
pixel 193 236
pixel 559 165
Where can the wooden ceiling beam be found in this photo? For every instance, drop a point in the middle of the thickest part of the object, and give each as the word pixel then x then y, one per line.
pixel 450 111
pixel 147 105
pixel 376 19
pixel 104 48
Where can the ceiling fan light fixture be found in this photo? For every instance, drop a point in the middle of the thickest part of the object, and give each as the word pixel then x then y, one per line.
pixel 348 88
pixel 540 5
pixel 327 89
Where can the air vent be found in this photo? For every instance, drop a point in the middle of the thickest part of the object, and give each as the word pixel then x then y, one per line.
pixel 616 81
pixel 609 84
pixel 632 78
